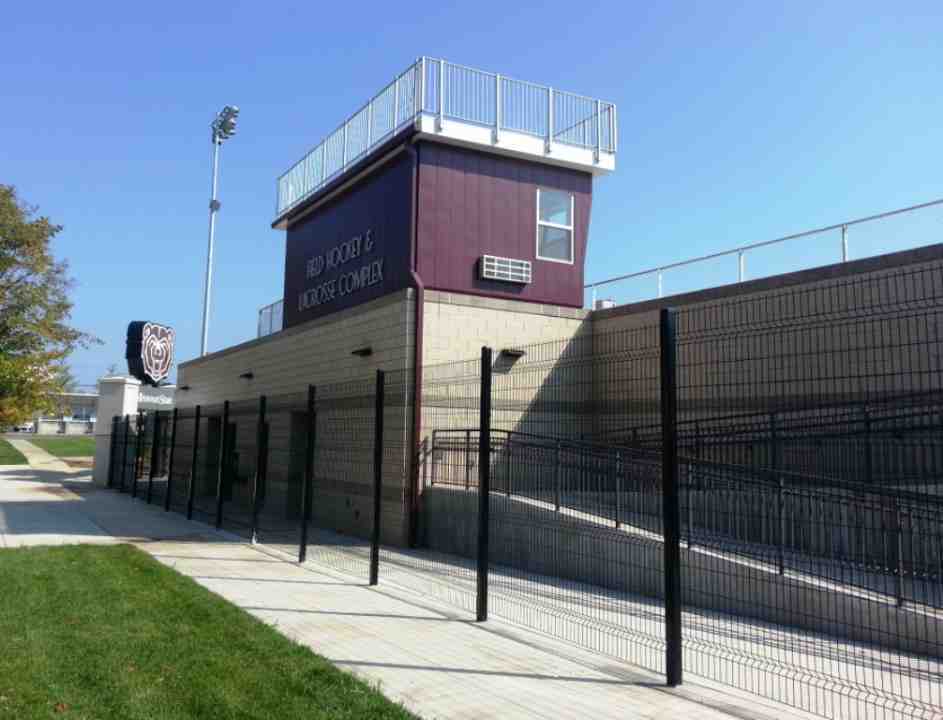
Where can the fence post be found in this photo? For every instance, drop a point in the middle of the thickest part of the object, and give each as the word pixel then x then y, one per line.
pixel 134 451
pixel 377 476
pixel 507 463
pixel 484 483
pixel 596 158
pixel 155 454
pixel 618 489
pixel 396 101
pixel 432 459
pixel 441 114
pixel 139 437
pixel 868 462
pixel 558 470
pixel 170 460
pixel 425 461
pixel 497 109
pixel 113 451
pixel 307 489
pixel 420 86
pixel 129 459
pixel 261 467
pixel 670 506
pixel 899 526
pixel 142 439
pixel 613 129
pixel 549 142
pixel 124 451
pixel 191 486
pixel 467 459
pixel 344 154
pixel 222 464
pixel 780 494
pixel 692 478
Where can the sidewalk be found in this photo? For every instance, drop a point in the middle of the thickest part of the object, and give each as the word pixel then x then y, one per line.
pixel 436 661
pixel 38 458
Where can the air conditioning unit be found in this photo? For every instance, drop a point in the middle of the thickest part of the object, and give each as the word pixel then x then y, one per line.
pixel 505 269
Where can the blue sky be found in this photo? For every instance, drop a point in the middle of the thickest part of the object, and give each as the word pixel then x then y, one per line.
pixel 738 122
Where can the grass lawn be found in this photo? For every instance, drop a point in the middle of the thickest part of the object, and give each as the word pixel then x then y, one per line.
pixel 107 632
pixel 9 455
pixel 79 446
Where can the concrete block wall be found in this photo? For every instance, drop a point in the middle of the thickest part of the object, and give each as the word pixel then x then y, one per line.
pixel 832 335
pixel 830 332
pixel 456 326
pixel 455 329
pixel 320 353
pixel 316 352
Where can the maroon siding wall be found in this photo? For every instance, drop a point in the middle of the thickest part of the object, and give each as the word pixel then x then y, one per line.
pixel 469 203
pixel 381 204
pixel 472 203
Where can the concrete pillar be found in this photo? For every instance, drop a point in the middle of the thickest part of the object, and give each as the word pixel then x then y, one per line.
pixel 116 396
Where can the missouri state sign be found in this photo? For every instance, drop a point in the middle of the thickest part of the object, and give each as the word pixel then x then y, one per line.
pixel 150 351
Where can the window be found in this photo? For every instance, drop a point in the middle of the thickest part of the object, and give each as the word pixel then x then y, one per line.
pixel 554 226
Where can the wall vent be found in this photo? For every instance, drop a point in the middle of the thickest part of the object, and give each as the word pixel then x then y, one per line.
pixel 505 269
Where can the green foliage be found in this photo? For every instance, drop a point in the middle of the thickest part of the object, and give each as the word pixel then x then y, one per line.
pixel 109 633
pixel 35 335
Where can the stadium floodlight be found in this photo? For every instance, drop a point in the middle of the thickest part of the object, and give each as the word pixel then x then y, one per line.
pixel 223 127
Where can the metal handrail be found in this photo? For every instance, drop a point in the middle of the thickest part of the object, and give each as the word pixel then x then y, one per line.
pixel 757 476
pixel 267 323
pixel 742 249
pixel 425 95
pixel 549 441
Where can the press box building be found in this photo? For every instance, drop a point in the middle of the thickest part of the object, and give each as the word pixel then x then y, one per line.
pixel 450 212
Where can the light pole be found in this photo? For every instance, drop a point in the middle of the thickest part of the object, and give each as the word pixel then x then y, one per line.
pixel 223 127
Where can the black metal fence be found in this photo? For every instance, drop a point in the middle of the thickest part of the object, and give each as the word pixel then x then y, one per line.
pixel 747 491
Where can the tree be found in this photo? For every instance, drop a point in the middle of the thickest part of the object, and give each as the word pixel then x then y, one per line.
pixel 35 335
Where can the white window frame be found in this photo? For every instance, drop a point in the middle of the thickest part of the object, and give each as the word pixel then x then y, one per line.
pixel 558 226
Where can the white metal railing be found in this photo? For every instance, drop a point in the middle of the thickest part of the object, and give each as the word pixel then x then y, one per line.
pixel 841 245
pixel 271 318
pixel 445 90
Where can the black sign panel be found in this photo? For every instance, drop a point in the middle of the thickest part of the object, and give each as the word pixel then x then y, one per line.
pixel 150 351
pixel 353 249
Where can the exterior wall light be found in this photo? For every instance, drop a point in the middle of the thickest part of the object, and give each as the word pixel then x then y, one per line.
pixel 363 352
pixel 512 353
pixel 248 375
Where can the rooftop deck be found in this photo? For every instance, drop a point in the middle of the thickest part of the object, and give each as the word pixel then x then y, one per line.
pixel 464 106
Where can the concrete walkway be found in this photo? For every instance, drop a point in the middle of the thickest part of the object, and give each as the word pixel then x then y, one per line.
pixel 424 654
pixel 38 458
